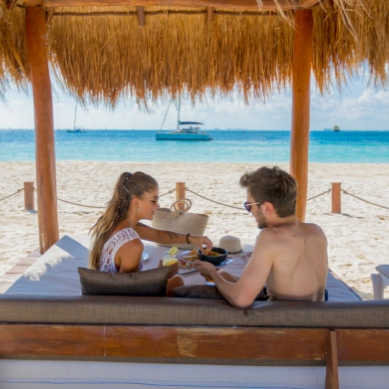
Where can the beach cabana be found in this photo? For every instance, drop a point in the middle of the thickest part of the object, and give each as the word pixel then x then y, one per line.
pixel 101 51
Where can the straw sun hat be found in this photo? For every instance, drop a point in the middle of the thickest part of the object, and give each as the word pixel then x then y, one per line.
pixel 231 244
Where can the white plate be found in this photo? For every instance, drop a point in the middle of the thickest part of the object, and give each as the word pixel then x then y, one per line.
pixel 145 256
pixel 182 254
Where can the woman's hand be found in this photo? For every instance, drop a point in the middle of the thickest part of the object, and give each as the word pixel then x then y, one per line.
pixel 199 241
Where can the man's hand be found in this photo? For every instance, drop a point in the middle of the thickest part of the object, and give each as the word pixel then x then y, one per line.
pixel 199 241
pixel 205 268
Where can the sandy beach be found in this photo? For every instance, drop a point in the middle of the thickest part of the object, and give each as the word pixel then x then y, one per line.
pixel 358 238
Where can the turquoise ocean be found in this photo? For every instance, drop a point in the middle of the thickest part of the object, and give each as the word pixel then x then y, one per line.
pixel 226 146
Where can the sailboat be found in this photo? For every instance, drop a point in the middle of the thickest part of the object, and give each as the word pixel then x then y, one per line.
pixel 75 130
pixel 185 130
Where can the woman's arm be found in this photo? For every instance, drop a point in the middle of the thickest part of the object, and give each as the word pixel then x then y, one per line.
pixel 129 255
pixel 168 237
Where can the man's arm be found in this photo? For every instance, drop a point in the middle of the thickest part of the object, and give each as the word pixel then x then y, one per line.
pixel 242 293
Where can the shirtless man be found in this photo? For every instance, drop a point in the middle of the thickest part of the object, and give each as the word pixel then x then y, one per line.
pixel 289 257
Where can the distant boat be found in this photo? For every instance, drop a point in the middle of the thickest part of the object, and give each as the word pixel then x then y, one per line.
pixel 335 129
pixel 75 130
pixel 185 130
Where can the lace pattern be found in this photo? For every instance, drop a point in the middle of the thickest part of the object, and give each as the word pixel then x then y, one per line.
pixel 107 259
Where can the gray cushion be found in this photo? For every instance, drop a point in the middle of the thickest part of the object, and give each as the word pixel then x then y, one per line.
pixel 145 283
pixel 127 310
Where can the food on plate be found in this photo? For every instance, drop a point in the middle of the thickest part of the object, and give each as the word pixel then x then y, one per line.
pixel 211 253
pixel 187 259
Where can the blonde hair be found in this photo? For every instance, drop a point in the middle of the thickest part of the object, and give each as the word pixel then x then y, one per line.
pixel 127 187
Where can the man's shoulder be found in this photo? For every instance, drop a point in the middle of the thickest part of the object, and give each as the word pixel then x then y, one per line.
pixel 313 229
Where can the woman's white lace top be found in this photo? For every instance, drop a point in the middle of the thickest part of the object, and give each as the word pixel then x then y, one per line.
pixel 112 245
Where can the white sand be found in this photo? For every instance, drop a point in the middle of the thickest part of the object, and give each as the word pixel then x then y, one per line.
pixel 358 238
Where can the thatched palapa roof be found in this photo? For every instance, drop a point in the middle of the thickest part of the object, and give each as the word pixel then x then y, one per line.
pixel 103 53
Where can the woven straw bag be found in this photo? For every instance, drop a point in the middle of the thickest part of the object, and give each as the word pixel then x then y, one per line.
pixel 181 222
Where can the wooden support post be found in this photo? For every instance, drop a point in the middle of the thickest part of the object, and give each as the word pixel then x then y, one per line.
pixel 332 377
pixel 141 16
pixel 180 194
pixel 44 127
pixel 336 199
pixel 29 196
pixel 302 59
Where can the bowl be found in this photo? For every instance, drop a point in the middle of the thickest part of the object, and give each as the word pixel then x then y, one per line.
pixel 216 260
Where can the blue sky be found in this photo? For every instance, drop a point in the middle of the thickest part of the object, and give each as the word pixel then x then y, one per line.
pixel 358 107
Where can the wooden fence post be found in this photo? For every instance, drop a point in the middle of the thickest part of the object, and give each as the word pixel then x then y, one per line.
pixel 29 196
pixel 180 194
pixel 336 201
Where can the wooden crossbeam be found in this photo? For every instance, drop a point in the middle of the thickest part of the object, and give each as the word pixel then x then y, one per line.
pixel 303 344
pixel 232 4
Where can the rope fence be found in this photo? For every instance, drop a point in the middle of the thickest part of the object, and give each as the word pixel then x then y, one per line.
pixel 366 201
pixel 320 194
pixel 336 204
pixel 13 194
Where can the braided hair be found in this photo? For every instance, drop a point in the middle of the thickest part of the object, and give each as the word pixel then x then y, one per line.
pixel 128 186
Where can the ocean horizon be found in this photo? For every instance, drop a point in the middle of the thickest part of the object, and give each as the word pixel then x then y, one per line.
pixel 227 146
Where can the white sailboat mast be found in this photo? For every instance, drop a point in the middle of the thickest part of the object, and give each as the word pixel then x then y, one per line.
pixel 178 112
pixel 75 114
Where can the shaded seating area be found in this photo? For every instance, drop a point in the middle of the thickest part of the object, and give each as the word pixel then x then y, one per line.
pixel 216 46
pixel 45 318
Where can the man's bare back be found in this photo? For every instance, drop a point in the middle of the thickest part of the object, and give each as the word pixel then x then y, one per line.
pixel 289 257
pixel 299 264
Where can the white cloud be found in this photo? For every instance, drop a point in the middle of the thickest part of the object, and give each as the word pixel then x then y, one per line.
pixel 358 107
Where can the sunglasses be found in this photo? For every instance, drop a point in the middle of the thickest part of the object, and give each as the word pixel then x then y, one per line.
pixel 248 205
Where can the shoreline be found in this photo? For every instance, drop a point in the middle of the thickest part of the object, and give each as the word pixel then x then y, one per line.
pixel 357 238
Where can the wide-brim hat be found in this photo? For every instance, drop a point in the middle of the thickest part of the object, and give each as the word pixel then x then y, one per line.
pixel 231 244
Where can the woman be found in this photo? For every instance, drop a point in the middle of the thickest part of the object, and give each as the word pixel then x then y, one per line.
pixel 117 245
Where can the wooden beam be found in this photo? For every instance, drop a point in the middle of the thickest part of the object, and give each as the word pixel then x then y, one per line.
pixel 332 376
pixel 44 127
pixel 141 16
pixel 164 341
pixel 232 4
pixel 11 4
pixel 209 15
pixel 153 341
pixel 302 60
pixel 308 4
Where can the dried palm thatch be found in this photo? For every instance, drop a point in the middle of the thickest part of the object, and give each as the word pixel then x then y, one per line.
pixel 13 54
pixel 102 54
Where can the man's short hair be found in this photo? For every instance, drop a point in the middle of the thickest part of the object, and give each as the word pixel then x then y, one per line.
pixel 272 185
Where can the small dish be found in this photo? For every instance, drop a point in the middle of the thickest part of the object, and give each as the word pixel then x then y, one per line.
pixel 217 259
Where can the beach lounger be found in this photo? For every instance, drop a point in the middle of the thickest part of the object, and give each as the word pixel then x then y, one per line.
pixel 380 280
pixel 50 335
